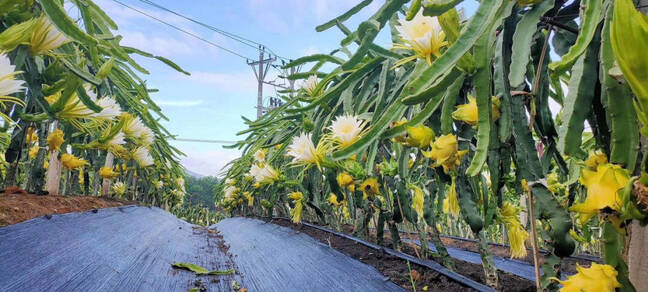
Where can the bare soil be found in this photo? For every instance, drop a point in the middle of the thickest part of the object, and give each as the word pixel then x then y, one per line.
pixel 215 242
pixel 16 205
pixel 397 271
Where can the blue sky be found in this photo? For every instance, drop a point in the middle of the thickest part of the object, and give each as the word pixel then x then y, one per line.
pixel 222 88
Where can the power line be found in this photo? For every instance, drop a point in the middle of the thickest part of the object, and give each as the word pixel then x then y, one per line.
pixel 260 75
pixel 238 38
pixel 183 30
pixel 230 35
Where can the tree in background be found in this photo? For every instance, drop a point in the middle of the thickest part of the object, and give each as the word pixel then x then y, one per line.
pixel 200 191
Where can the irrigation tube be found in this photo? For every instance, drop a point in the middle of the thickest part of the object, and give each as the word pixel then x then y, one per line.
pixel 426 263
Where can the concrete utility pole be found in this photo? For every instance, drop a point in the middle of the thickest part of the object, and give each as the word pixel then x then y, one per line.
pixel 260 74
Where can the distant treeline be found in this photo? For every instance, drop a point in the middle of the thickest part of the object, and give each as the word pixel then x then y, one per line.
pixel 200 191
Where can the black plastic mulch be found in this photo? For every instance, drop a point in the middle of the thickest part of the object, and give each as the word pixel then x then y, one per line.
pixel 132 248
pixel 114 249
pixel 268 254
pixel 516 267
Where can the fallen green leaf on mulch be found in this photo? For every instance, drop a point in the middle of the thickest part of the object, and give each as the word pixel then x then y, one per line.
pixel 200 270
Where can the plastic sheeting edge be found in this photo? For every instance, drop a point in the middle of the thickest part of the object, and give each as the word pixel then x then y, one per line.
pixel 426 263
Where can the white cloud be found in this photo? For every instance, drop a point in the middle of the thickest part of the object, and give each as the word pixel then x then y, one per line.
pixel 158 45
pixel 178 103
pixel 137 32
pixel 208 162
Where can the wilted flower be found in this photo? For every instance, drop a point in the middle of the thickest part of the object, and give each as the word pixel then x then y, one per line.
pixel 345 212
pixel 419 136
pixel 142 156
pixel 31 136
pixel 602 187
pixel 344 179
pixel 553 184
pixel 400 122
pixel 72 162
pixel 578 237
pixel 249 197
pixel 594 279
pixel 346 129
pixel 333 200
pixel 296 212
pixel 297 196
pixel 310 85
pixel 595 158
pixel 81 177
pixel 107 172
pixel 46 37
pixel 370 187
pixel 55 140
pixel 33 152
pixel 445 152
pixel 450 202
pixel 159 184
pixel 230 181
pixel 423 35
pixel 468 112
pixel 517 236
pixel 525 186
pixel 417 200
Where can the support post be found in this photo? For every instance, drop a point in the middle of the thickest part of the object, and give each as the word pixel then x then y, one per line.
pixel 105 184
pixel 637 241
pixel 53 175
